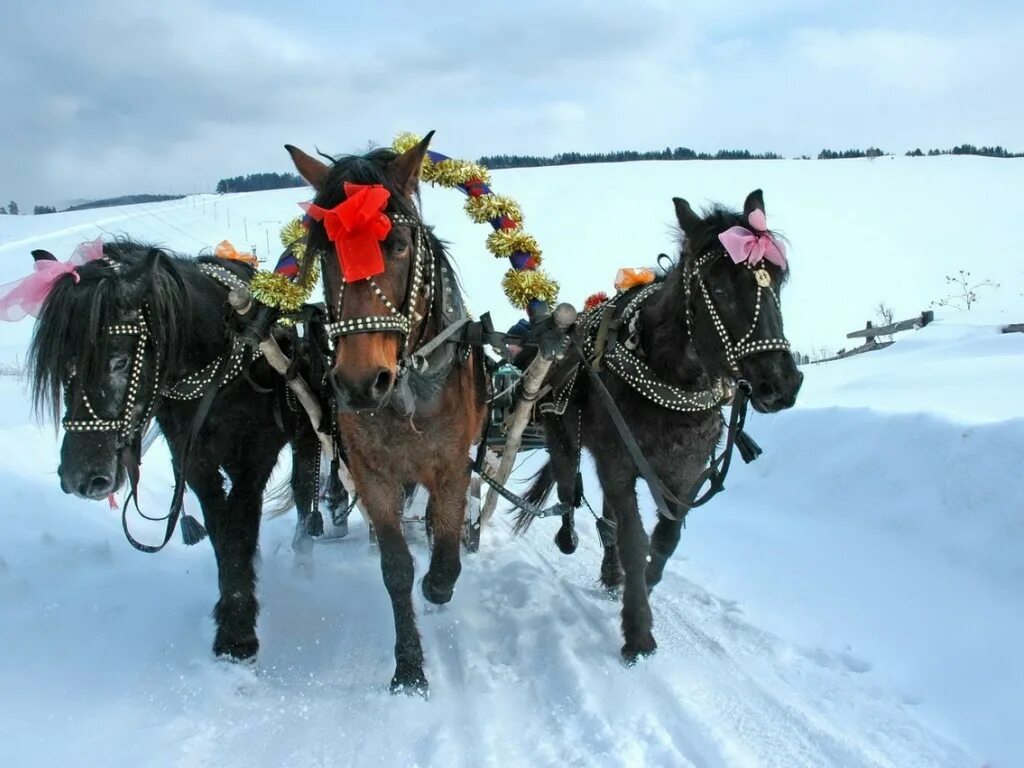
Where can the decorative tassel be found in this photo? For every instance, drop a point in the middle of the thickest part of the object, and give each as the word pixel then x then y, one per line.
pixel 192 531
pixel 595 300
pixel 749 449
pixel 606 529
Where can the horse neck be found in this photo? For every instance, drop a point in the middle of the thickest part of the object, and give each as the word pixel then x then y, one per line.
pixel 665 338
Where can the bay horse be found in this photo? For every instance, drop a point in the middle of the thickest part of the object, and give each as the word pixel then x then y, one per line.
pixel 670 352
pixel 142 332
pixel 408 410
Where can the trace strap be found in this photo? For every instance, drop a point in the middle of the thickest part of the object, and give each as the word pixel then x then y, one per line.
pixel 662 496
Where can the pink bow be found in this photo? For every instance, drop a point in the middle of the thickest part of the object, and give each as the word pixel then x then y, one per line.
pixel 743 245
pixel 26 296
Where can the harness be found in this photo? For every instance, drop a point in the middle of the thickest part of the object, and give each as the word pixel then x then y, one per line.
pixel 201 385
pixel 431 282
pixel 602 347
pixel 747 344
pixel 395 321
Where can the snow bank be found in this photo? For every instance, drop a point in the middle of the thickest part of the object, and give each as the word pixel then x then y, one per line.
pixel 853 600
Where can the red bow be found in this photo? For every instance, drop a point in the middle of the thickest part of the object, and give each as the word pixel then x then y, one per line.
pixel 357 225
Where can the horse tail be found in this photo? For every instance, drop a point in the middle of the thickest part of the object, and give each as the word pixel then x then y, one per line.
pixel 543 482
pixel 279 499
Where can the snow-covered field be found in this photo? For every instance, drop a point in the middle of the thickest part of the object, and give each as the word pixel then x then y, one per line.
pixel 854 599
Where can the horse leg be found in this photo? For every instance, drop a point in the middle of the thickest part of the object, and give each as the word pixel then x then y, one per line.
pixel 233 523
pixel 620 494
pixel 383 501
pixel 447 512
pixel 564 452
pixel 665 536
pixel 235 618
pixel 611 569
pixel 305 471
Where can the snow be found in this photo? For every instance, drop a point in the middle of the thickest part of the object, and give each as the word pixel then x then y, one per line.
pixel 854 599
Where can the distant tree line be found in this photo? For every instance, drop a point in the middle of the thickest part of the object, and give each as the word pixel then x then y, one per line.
pixel 41 209
pixel 123 200
pixel 258 182
pixel 831 154
pixel 11 208
pixel 496 162
pixel 966 149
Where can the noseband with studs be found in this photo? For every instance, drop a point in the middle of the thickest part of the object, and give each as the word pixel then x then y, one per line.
pixel 402 322
pixel 747 344
pixel 126 427
pixel 191 387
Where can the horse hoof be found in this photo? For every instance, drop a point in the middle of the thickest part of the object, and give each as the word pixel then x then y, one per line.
pixel 566 540
pixel 236 650
pixel 434 594
pixel 634 651
pixel 410 682
pixel 611 579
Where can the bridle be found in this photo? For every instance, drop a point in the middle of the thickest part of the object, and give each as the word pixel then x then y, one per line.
pixel 747 345
pixel 401 321
pixel 128 428
pixel 203 385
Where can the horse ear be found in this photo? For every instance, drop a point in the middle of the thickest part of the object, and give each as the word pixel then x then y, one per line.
pixel 405 169
pixel 41 255
pixel 688 219
pixel 754 202
pixel 311 169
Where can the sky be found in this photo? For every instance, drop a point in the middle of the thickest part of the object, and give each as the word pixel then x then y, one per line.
pixel 103 98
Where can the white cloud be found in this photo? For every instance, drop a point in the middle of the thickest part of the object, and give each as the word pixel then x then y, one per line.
pixel 106 98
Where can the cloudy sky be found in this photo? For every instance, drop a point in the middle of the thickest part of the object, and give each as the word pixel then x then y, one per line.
pixel 102 98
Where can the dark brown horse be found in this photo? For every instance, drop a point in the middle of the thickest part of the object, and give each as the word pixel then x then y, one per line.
pixel 710 323
pixel 408 410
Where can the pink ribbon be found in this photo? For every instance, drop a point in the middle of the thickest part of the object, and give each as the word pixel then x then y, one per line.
pixel 744 245
pixel 26 296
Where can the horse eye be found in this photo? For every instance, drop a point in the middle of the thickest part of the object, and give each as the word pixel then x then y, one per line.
pixel 118 364
pixel 718 292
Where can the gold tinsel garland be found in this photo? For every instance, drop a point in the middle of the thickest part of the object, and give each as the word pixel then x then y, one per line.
pixel 520 285
pixel 276 290
pixel 484 208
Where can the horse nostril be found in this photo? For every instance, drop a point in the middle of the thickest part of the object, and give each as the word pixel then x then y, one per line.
pixel 97 485
pixel 764 391
pixel 382 384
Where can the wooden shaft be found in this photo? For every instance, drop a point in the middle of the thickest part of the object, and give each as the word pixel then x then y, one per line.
pixel 241 302
pixel 532 381
pixel 564 316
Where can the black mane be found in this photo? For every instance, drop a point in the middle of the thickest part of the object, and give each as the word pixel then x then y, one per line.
pixel 70 328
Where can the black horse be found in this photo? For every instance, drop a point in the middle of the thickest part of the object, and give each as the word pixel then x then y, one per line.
pixel 140 333
pixel 668 354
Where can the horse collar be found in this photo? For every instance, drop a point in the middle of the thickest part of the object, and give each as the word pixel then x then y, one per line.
pixel 624 356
